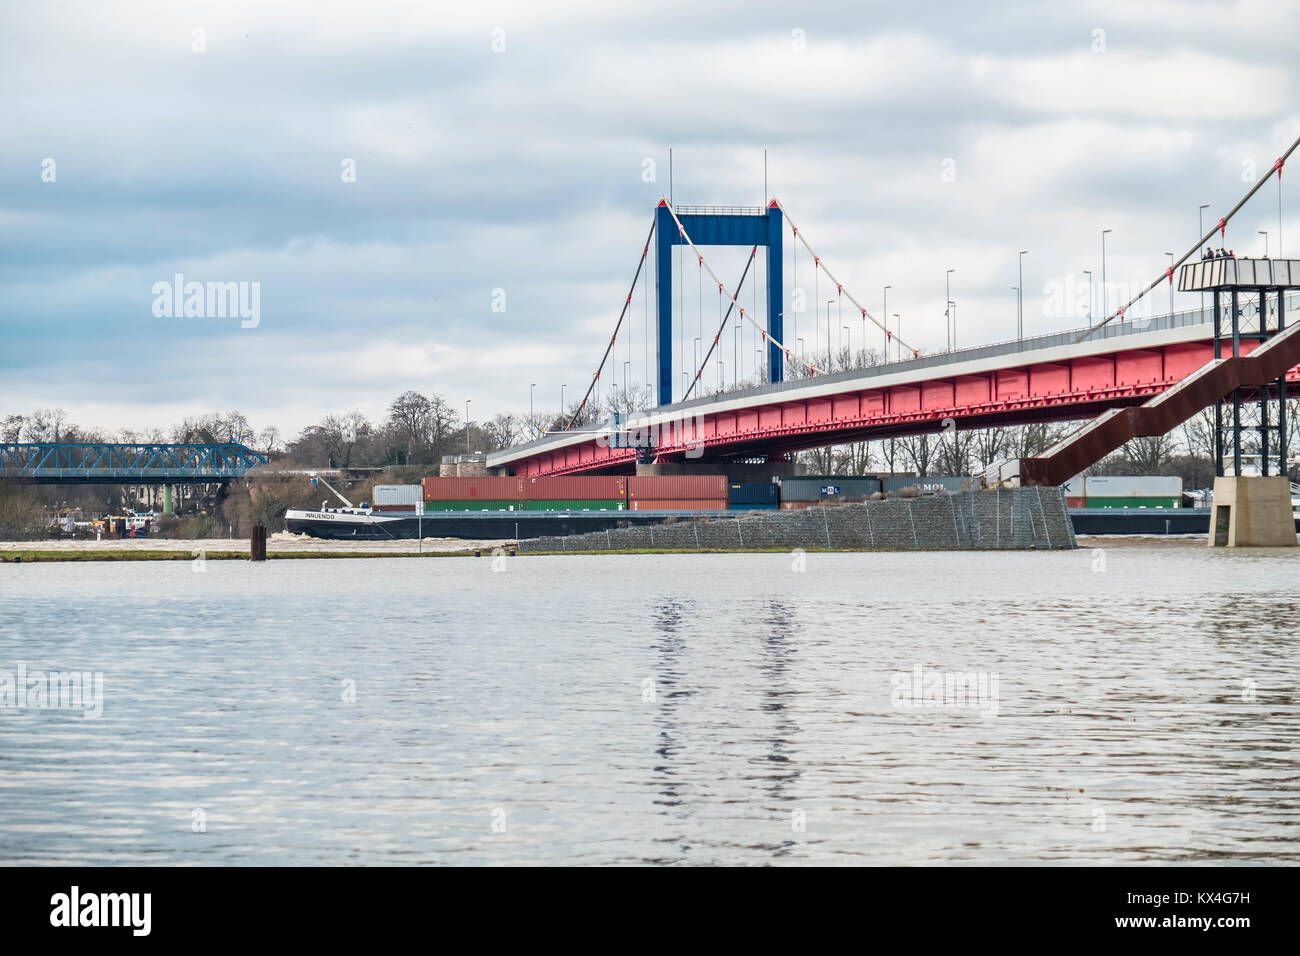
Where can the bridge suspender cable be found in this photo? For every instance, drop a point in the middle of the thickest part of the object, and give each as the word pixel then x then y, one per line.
pixel 645 251
pixel 1220 227
pixel 722 328
pixel 767 336
pixel 838 286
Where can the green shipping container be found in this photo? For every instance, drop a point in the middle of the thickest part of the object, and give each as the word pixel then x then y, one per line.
pixel 591 504
pixel 1132 502
pixel 470 506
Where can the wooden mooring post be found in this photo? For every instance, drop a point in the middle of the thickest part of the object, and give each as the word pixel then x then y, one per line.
pixel 257 544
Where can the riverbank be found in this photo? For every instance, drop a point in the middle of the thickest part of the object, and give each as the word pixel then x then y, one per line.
pixel 281 545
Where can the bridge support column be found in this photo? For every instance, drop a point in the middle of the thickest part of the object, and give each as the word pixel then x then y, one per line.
pixel 1252 512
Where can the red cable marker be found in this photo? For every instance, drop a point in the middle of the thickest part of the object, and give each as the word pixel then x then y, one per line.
pixel 1223 226
pixel 1170 273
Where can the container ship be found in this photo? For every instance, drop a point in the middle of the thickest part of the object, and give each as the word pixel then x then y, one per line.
pixel 489 507
pixel 497 508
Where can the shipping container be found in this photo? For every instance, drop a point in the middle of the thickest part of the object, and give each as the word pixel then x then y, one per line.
pixel 823 487
pixel 580 504
pixel 679 504
pixel 574 488
pixel 930 484
pixel 485 505
pixel 1133 486
pixel 1133 502
pixel 753 493
pixel 733 506
pixel 409 509
pixel 1074 487
pixel 669 487
pixel 474 489
pixel 1076 503
pixel 410 495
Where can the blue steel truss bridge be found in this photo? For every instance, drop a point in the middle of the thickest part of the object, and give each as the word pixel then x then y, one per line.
pixel 126 464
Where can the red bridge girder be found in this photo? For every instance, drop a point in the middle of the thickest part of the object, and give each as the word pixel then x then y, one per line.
pixel 1073 388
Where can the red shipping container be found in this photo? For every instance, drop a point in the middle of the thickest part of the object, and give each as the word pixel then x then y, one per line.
pixel 680 504
pixel 1075 502
pixel 679 487
pixel 409 509
pixel 473 489
pixel 575 488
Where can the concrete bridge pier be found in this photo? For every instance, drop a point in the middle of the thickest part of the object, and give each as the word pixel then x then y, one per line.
pixel 1252 511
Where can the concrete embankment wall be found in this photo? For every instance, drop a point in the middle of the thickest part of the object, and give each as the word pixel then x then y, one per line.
pixel 1013 519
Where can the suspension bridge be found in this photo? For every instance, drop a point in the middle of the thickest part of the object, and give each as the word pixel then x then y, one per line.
pixel 799 402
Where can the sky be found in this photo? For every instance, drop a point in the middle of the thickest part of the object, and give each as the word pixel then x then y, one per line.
pixel 453 197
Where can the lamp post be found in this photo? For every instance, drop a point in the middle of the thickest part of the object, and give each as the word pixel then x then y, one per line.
pixel 1020 301
pixel 1171 284
pixel 899 324
pixel 1105 309
pixel 884 316
pixel 467 401
pixel 562 388
pixel 947 309
pixel 849 337
pixel 532 421
pixel 829 302
pixel 952 308
pixel 1265 235
pixel 1200 221
pixel 1088 273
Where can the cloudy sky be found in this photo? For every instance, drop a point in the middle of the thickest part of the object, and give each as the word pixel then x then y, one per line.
pixel 506 146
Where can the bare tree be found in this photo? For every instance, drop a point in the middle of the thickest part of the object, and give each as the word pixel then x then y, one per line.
pixel 11 428
pixel 919 452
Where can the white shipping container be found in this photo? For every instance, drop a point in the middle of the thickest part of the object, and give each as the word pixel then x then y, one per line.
pixel 1074 487
pixel 1133 486
pixel 398 495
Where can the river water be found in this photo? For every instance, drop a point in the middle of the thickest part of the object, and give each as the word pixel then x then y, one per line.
pixel 1125 706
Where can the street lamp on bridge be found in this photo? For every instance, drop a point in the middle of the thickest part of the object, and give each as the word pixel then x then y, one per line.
pixel 1105 309
pixel 1020 300
pixel 947 309
pixel 1088 273
pixel 884 320
pixel 1265 235
pixel 1171 282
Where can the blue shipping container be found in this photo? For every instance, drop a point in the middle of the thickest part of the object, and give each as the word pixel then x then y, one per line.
pixel 753 493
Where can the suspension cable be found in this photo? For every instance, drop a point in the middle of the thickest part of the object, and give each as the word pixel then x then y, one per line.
pixel 1220 227
pixel 840 288
pixel 723 327
pixel 645 251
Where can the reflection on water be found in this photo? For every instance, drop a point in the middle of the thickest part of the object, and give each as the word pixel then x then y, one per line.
pixel 670 709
